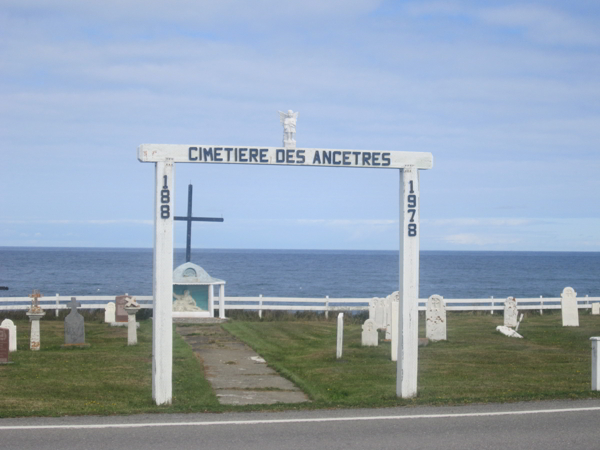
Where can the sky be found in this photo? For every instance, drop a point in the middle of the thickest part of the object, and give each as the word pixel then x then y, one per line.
pixel 505 95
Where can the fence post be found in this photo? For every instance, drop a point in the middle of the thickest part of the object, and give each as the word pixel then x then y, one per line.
pixel 260 306
pixel 595 364
pixel 492 312
pixel 57 303
pixel 541 305
pixel 327 306
pixel 221 301
pixel 340 335
pixel 587 302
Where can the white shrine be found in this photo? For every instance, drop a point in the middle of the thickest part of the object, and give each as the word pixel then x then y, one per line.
pixel 193 292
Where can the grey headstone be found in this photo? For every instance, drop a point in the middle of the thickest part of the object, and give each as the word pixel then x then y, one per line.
pixel 74 326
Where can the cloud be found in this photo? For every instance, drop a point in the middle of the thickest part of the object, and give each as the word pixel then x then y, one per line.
pixel 478 240
pixel 482 222
pixel 79 222
pixel 543 24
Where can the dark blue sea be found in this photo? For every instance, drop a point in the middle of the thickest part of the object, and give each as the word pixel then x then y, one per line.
pixel 302 273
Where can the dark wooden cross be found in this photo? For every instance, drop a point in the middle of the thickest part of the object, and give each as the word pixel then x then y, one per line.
pixel 189 219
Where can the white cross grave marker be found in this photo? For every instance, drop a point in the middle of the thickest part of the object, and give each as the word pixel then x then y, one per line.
pixel 166 155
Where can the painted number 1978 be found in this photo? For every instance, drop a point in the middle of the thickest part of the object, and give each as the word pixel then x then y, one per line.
pixel 411 201
pixel 165 199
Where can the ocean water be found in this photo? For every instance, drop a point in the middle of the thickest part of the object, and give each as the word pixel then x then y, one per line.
pixel 302 273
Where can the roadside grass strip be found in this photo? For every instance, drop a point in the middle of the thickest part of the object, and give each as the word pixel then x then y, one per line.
pixel 475 364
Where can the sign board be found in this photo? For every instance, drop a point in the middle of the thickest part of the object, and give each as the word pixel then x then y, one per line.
pixel 222 154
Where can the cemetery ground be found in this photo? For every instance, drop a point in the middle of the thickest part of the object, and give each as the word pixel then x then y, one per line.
pixel 475 364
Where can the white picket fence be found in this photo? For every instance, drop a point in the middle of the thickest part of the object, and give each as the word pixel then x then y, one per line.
pixel 324 304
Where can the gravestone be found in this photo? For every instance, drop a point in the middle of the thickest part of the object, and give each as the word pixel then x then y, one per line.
pixel 511 313
pixel 4 342
pixel 121 315
pixel 377 312
pixel 12 334
pixel 370 337
pixel 568 304
pixel 74 326
pixel 394 326
pixel 435 322
pixel 340 335
pixel 595 308
pixel 372 309
pixel 109 312
pixel 388 312
pixel 506 331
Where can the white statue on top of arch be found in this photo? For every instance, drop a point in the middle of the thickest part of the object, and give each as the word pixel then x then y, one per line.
pixel 288 120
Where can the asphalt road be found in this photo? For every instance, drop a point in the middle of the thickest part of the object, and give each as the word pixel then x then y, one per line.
pixel 564 425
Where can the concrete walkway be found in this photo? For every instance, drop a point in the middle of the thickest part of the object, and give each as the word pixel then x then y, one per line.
pixel 237 373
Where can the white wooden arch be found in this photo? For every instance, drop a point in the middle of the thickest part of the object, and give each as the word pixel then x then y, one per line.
pixel 166 155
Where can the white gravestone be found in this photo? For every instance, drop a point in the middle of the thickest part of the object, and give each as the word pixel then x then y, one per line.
pixel 12 334
pixel 435 323
pixel 388 313
pixel 372 308
pixel 377 312
pixel 109 312
pixel 511 313
pixel 340 335
pixel 568 304
pixel 595 309
pixel 394 326
pixel 370 337
pixel 506 331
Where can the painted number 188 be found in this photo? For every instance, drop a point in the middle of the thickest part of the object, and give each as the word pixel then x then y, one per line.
pixel 411 201
pixel 165 199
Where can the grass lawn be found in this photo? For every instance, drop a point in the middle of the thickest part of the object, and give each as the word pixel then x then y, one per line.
pixel 109 377
pixel 476 364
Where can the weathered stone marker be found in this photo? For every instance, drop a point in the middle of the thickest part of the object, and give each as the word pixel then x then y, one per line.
pixel 12 334
pixel 340 335
pixel 369 336
pixel 74 327
pixel 4 344
pixel 435 318
pixel 511 312
pixel 121 315
pixel 165 156
pixel 568 305
pixel 35 313
pixel 109 312
pixel 132 307
pixel 595 363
